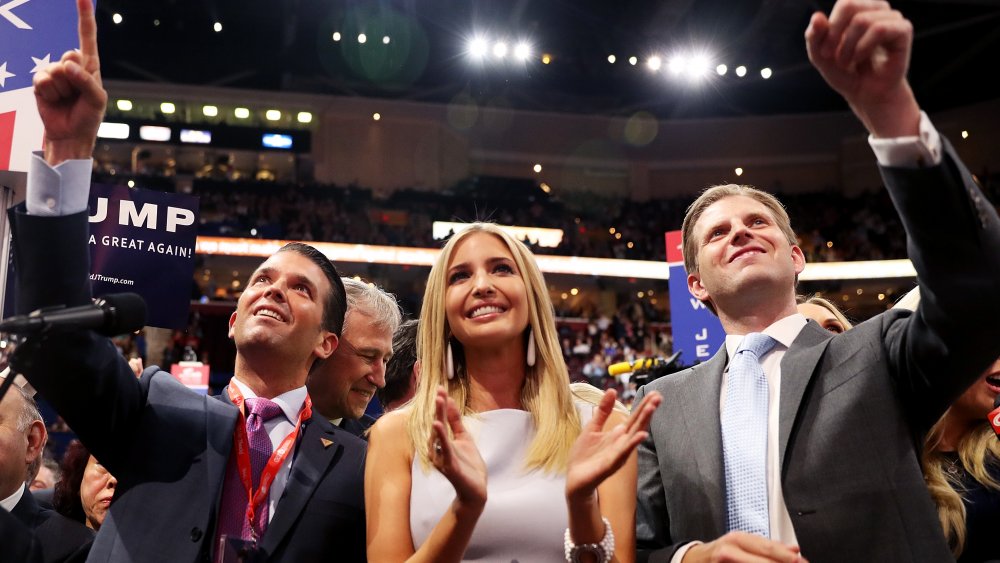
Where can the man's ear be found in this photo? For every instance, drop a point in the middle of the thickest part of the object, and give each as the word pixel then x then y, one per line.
pixel 696 288
pixel 799 259
pixel 699 291
pixel 232 321
pixel 327 345
pixel 37 436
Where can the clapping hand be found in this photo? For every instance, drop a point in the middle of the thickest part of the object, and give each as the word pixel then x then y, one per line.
pixel 70 96
pixel 598 453
pixel 456 455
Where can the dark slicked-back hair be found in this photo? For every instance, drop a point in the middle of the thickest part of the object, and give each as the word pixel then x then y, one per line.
pixel 335 305
pixel 400 366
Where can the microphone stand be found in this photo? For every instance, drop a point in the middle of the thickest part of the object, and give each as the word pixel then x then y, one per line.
pixel 667 367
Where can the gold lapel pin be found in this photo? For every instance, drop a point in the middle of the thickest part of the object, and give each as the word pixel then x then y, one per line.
pixel 326 443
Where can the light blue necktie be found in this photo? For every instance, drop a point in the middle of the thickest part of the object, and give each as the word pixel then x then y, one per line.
pixel 744 437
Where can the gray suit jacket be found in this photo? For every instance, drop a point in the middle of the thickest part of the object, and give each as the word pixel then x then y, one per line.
pixel 854 408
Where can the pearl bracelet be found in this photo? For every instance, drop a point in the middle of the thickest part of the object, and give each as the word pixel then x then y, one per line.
pixel 603 550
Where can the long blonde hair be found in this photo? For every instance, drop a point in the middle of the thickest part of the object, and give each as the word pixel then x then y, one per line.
pixel 545 393
pixel 977 449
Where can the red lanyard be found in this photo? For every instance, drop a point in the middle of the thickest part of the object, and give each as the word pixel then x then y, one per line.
pixel 273 465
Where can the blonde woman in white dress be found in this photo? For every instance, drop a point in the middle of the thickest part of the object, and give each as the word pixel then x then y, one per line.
pixel 493 460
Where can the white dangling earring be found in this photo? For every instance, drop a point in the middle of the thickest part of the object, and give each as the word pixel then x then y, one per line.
pixel 449 362
pixel 531 348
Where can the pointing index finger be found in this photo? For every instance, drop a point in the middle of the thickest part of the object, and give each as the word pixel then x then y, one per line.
pixel 87 29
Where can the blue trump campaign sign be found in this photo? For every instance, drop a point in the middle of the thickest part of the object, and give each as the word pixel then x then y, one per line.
pixel 143 241
pixel 697 332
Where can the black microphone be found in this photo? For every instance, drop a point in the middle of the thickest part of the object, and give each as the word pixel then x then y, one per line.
pixel 110 315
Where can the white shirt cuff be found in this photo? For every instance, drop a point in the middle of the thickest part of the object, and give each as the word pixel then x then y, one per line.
pixel 60 190
pixel 910 151
pixel 682 551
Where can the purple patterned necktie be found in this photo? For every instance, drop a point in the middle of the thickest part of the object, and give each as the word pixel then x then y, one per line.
pixel 232 512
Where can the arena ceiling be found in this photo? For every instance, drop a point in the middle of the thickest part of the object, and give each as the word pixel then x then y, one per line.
pixel 288 45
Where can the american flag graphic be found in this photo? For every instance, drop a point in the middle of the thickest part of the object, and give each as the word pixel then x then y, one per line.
pixel 33 33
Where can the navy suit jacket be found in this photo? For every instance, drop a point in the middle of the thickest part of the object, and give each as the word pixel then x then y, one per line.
pixel 358 427
pixel 62 540
pixel 17 541
pixel 167 445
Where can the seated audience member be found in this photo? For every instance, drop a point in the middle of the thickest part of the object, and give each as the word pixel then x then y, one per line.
pixel 190 468
pixel 86 491
pixel 47 476
pixel 493 460
pixel 794 443
pixel 342 385
pixel 403 371
pixel 961 462
pixel 828 315
pixel 22 440
pixel 596 370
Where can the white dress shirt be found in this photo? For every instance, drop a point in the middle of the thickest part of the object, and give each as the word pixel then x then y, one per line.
pixel 10 502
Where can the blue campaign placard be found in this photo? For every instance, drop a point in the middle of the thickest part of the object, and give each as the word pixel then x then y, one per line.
pixel 143 241
pixel 696 331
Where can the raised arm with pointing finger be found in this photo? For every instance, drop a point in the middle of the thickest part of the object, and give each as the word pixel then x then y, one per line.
pixel 827 469
pixel 252 468
pixel 70 96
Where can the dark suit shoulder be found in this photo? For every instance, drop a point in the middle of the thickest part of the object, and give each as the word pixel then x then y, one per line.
pixel 345 437
pixel 29 512
pixel 43 497
pixel 64 540
pixel 60 538
pixel 17 542
pixel 358 427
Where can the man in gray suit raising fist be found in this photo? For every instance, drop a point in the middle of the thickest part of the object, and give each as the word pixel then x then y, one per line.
pixel 792 443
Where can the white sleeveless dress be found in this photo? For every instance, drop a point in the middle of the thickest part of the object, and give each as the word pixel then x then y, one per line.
pixel 525 515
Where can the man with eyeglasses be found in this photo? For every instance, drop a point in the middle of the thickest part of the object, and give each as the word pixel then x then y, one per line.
pixel 342 385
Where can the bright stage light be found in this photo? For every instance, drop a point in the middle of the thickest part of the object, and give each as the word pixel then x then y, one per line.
pixel 477 47
pixel 522 51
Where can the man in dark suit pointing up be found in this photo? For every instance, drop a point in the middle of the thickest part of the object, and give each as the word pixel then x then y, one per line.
pixel 198 477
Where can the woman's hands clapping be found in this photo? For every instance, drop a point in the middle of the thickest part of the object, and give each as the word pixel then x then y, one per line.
pixel 598 453
pixel 456 455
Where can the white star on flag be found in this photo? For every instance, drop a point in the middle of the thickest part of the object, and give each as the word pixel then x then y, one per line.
pixel 4 75
pixel 33 33
pixel 40 63
pixel 6 12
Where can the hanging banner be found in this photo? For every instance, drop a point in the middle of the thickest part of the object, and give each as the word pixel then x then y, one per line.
pixel 697 332
pixel 143 241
